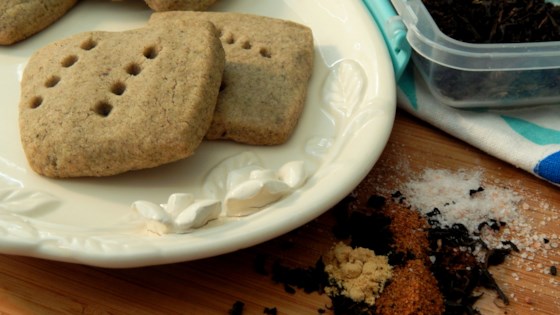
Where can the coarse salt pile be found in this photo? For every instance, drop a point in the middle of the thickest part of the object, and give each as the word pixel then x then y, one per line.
pixel 463 198
pixel 460 199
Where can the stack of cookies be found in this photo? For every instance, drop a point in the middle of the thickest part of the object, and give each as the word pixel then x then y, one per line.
pixel 104 103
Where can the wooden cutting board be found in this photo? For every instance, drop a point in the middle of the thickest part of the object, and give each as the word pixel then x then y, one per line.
pixel 212 286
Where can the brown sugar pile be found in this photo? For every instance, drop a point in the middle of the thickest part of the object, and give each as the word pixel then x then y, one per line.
pixel 356 273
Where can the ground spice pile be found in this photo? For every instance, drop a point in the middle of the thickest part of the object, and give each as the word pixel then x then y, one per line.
pixel 496 21
pixel 356 273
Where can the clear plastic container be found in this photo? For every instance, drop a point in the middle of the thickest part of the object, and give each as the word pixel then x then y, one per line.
pixel 462 74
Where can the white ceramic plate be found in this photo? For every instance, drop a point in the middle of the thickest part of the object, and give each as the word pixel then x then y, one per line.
pixel 345 125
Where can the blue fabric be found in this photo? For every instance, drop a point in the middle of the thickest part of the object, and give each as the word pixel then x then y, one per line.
pixel 549 168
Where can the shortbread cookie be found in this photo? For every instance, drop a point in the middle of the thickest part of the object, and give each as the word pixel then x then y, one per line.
pixel 179 5
pixel 268 66
pixel 102 103
pixel 20 19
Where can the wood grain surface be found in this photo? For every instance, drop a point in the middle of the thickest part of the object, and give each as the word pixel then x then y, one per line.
pixel 212 286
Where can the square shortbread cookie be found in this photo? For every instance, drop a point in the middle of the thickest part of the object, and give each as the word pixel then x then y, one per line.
pixel 103 103
pixel 268 65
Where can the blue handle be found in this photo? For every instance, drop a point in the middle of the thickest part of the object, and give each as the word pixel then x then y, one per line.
pixel 394 32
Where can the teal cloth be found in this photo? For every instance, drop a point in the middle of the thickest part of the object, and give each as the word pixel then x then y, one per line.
pixel 526 137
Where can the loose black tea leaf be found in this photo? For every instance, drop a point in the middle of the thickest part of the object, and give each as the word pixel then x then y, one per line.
pixel 311 279
pixel 237 308
pixel 496 21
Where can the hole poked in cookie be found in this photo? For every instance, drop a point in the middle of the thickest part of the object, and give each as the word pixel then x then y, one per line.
pixel 118 88
pixel 151 52
pixel 52 81
pixel 69 61
pixel 88 44
pixel 246 45
pixel 36 102
pixel 133 69
pixel 265 52
pixel 103 108
pixel 228 37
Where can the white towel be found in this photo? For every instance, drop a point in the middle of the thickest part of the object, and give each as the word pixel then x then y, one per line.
pixel 526 137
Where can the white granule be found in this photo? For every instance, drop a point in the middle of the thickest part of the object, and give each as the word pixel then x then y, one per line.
pixel 458 199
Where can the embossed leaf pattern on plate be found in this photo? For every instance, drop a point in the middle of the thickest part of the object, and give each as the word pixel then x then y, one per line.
pixel 344 95
pixel 344 87
pixel 14 204
pixel 20 200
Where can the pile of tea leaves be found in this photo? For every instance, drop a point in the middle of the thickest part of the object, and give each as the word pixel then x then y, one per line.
pixel 496 21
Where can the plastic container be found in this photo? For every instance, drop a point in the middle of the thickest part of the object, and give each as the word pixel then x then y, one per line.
pixel 462 74
pixel 394 32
